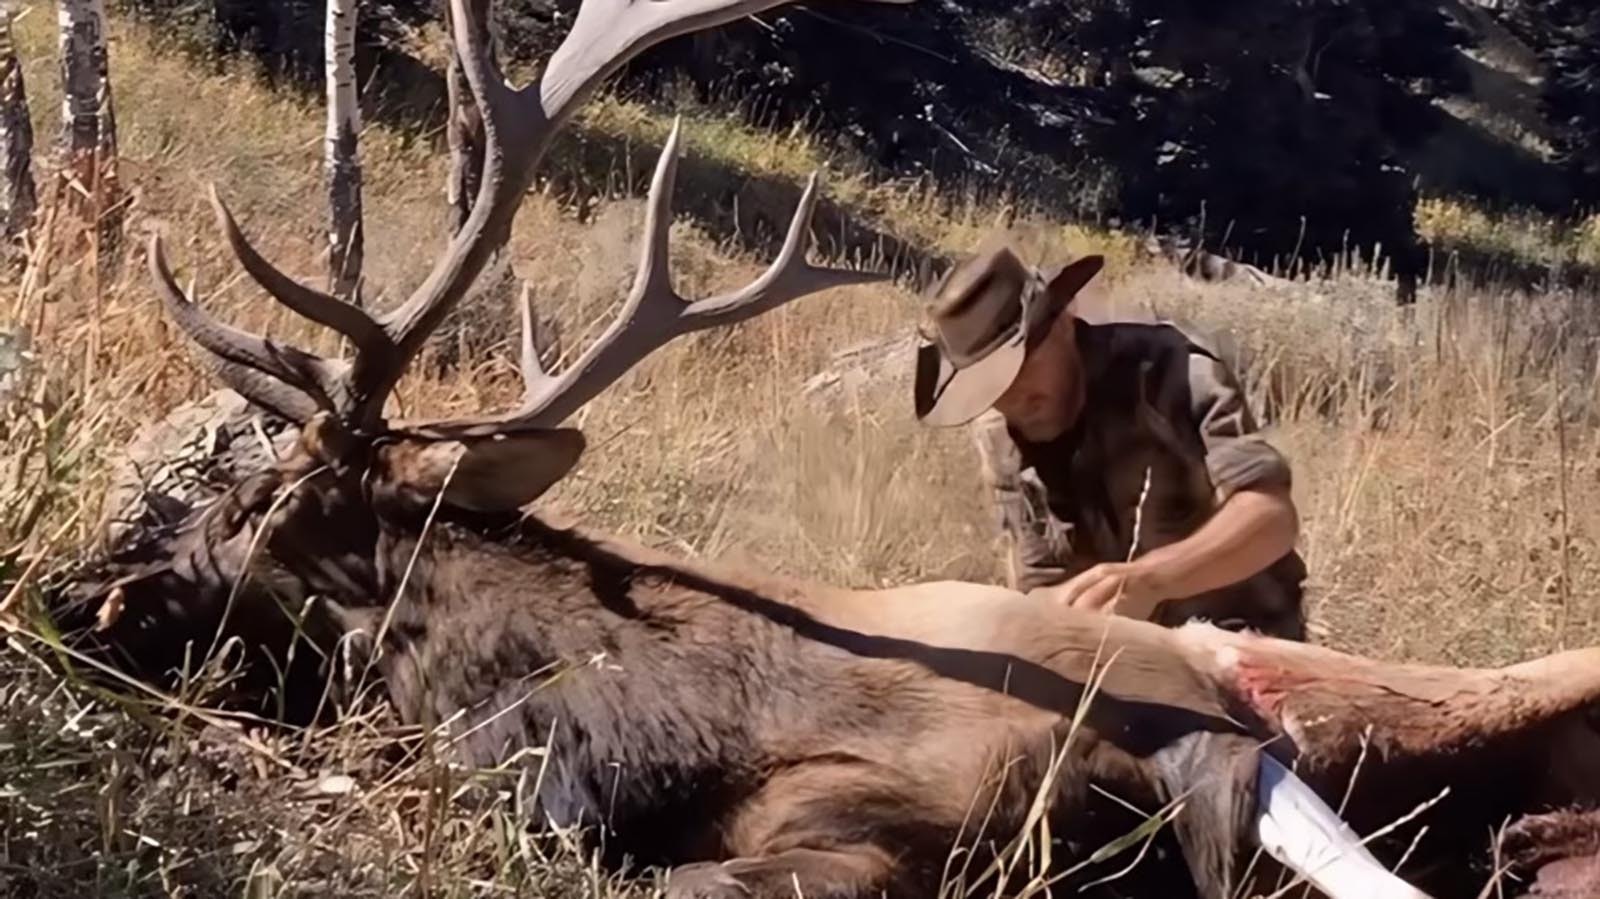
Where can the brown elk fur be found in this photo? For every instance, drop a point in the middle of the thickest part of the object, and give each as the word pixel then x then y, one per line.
pixel 1563 848
pixel 807 730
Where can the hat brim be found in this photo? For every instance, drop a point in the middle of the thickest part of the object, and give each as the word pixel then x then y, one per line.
pixel 947 396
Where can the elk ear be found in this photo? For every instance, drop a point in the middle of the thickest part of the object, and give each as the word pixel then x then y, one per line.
pixel 1065 284
pixel 497 473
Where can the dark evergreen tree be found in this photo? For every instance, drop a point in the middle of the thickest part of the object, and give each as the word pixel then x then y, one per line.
pixel 972 92
pixel 285 36
pixel 1274 128
pixel 1572 90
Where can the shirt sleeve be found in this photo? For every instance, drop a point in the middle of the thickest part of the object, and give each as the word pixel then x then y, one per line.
pixel 1238 455
pixel 1034 559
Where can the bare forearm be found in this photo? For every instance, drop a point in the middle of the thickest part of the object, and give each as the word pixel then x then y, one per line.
pixel 1249 532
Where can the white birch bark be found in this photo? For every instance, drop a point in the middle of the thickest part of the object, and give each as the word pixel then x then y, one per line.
pixel 346 244
pixel 89 137
pixel 18 196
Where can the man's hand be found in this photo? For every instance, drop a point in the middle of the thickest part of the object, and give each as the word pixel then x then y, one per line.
pixel 1252 530
pixel 1123 588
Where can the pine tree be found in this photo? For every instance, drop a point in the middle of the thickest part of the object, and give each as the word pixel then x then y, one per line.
pixel 1273 129
pixel 1572 90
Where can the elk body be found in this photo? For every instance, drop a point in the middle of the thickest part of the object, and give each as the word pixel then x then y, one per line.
pixel 759 735
pixel 846 738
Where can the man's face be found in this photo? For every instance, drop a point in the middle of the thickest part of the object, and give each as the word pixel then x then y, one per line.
pixel 1048 393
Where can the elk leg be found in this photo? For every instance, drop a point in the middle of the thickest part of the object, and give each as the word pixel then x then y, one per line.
pixel 1563 851
pixel 1298 829
pixel 812 873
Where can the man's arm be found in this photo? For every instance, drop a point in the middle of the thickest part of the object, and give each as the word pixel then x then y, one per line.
pixel 1252 529
pixel 1035 559
pixel 1255 523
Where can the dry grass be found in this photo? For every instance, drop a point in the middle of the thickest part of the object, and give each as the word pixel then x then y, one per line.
pixel 1448 471
pixel 1539 239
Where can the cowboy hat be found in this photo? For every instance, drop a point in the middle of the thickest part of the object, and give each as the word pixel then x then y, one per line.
pixel 984 316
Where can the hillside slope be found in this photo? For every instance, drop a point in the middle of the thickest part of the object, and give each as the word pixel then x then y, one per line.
pixel 1493 143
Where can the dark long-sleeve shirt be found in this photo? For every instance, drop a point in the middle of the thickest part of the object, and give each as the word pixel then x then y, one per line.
pixel 1165 437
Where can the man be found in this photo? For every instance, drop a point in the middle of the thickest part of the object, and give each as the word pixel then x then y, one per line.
pixel 1129 471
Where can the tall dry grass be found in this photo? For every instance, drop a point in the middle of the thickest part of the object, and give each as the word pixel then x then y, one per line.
pixel 1447 463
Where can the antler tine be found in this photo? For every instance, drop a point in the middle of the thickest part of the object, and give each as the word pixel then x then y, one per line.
pixel 607 33
pixel 519 125
pixel 324 309
pixel 654 276
pixel 789 277
pixel 289 382
pixel 264 390
pixel 515 138
pixel 654 314
pixel 534 377
pixel 649 318
pixel 649 309
pixel 286 381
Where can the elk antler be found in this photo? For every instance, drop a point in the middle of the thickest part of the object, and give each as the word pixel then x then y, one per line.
pixel 654 313
pixel 519 125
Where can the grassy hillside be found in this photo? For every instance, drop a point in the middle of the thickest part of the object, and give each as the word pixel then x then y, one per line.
pixel 1448 461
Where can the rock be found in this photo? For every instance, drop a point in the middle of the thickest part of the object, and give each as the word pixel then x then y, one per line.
pixel 184 461
pixel 888 360
pixel 18 363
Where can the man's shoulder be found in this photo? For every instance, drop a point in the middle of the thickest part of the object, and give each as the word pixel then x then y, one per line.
pixel 1125 341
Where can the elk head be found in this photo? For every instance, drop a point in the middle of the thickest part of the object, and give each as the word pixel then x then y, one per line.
pixel 252 563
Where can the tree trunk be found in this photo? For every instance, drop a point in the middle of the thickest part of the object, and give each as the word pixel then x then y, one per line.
pixel 346 244
pixel 482 318
pixel 464 131
pixel 89 137
pixel 18 198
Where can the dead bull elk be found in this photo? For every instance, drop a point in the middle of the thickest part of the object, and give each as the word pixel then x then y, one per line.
pixel 764 736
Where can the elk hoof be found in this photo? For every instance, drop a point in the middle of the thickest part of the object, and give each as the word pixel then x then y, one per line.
pixel 707 880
